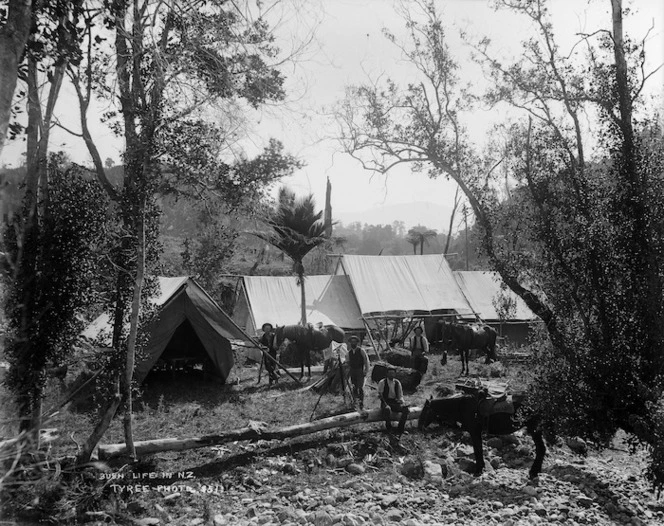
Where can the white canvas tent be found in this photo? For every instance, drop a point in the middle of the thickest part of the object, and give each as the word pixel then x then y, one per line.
pixel 402 284
pixel 189 326
pixel 276 300
pixel 484 292
pixel 393 288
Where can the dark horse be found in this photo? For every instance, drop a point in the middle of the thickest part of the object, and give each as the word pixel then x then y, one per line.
pixel 467 337
pixel 307 339
pixel 476 413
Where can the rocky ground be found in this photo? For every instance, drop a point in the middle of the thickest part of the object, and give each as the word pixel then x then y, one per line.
pixel 352 479
pixel 351 476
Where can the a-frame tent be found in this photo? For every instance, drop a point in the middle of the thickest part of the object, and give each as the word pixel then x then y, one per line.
pixel 276 300
pixel 189 326
pixel 393 287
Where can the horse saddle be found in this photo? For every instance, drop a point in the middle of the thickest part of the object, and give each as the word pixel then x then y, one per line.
pixel 490 406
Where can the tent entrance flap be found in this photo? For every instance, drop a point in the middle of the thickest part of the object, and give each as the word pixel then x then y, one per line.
pixel 185 345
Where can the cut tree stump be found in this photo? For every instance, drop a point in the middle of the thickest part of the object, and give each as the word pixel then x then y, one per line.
pixel 401 357
pixel 409 378
pixel 256 431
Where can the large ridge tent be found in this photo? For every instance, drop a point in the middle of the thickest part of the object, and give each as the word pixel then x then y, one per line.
pixel 189 326
pixel 415 284
pixel 276 300
pixel 485 293
pixel 403 286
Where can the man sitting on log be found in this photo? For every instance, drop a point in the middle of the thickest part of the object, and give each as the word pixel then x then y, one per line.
pixel 390 393
pixel 358 362
pixel 419 346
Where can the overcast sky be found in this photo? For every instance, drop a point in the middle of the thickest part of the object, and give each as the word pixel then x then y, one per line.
pixel 349 48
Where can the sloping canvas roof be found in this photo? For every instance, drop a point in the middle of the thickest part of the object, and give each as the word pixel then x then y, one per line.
pixel 402 283
pixel 482 288
pixel 181 299
pixel 276 300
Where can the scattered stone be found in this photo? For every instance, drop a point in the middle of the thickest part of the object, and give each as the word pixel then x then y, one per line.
pixel 320 518
pixel 523 451
pixel 220 520
pixel 350 520
pixel 465 451
pixel 412 468
pixel 510 439
pixel 494 442
pixel 136 507
pixel 148 521
pixel 530 491
pixel 355 469
pixel 585 502
pixel 394 516
pixel 287 514
pixel 467 465
pixel 432 471
pixel 578 445
pixel 456 490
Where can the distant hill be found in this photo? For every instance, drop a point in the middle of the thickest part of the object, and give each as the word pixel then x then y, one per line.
pixel 424 213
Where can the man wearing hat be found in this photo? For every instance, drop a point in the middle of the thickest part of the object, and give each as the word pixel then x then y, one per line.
pixel 390 393
pixel 358 363
pixel 269 340
pixel 419 346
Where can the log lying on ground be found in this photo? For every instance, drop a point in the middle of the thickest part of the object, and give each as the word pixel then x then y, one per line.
pixel 409 378
pixel 402 358
pixel 252 432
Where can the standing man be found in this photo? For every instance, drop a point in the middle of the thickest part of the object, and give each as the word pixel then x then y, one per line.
pixel 358 362
pixel 419 346
pixel 269 340
pixel 390 393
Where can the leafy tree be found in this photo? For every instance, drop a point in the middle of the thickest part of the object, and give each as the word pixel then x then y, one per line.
pixel 413 240
pixel 47 300
pixel 420 235
pixel 169 64
pixel 296 230
pixel 591 263
pixel 50 47
pixel 15 22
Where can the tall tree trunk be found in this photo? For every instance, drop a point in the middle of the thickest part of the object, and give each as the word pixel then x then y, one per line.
pixel 303 299
pixel 646 276
pixel 27 262
pixel 451 225
pixel 13 39
pixel 328 209
pixel 133 332
pixel 422 246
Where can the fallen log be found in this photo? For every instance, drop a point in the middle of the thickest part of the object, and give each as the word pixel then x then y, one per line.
pixel 252 432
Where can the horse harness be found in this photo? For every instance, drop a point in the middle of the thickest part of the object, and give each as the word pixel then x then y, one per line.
pixel 488 405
